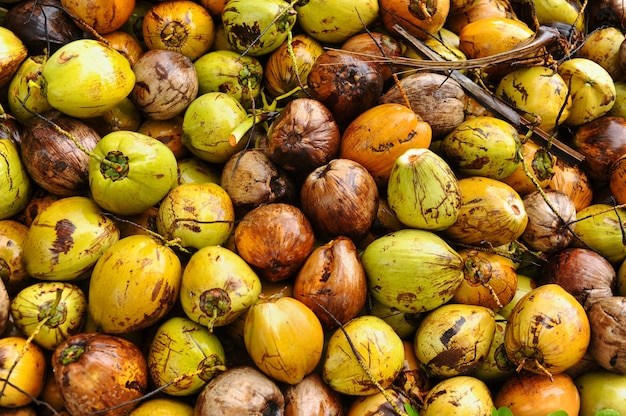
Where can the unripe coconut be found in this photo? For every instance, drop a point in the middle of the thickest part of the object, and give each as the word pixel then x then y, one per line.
pixel 423 191
pixel 491 213
pixel 208 122
pixel 540 165
pixel 12 53
pixel 134 284
pixel 86 78
pixel 601 390
pixel 600 228
pixel 230 72
pixel 454 339
pixel 280 75
pixel 257 27
pixel 459 396
pixel 25 95
pixel 421 19
pixel 181 346
pixel 591 87
pixel 412 270
pixel 16 184
pixel 162 406
pixel 23 371
pixel 50 312
pixel 200 214
pixel 377 345
pixel 496 367
pixel 273 338
pixel 490 279
pixel 335 21
pixel 381 134
pixel 404 323
pixel 539 92
pixel 143 172
pixel 528 394
pixel 217 286
pixel 67 238
pixel 547 332
pixel 482 146
pixel 12 269
pixel 603 47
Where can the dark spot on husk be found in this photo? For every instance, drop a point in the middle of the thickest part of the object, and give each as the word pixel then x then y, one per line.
pixel 134 385
pixel 63 242
pixel 452 331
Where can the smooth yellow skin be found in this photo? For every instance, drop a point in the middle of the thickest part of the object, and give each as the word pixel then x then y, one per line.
pixel 591 87
pixel 163 406
pixel 547 330
pixel 181 346
pixel 412 270
pixel 15 183
pixel 216 267
pixel 491 212
pixel 273 335
pixel 379 346
pixel 538 91
pixel 34 303
pixel 464 329
pixel 335 21
pixel 566 11
pixel 199 214
pixel 28 374
pixel 134 284
pixel 67 238
pixel 85 78
pixel 458 396
pixel 25 90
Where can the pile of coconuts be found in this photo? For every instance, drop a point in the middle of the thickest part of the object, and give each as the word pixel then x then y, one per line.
pixel 269 207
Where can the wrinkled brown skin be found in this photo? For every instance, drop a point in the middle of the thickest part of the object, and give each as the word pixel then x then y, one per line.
pixel 303 137
pixel 340 198
pixel 251 179
pixel 436 98
pixel 42 25
pixel 608 333
pixel 312 396
pixel 333 277
pixel 166 84
pixel 587 275
pixel 546 231
pixel 52 160
pixel 240 391
pixel 111 371
pixel 345 84
pixel 602 141
pixel 276 239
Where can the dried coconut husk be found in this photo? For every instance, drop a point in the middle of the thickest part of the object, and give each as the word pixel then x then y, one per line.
pixel 438 99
